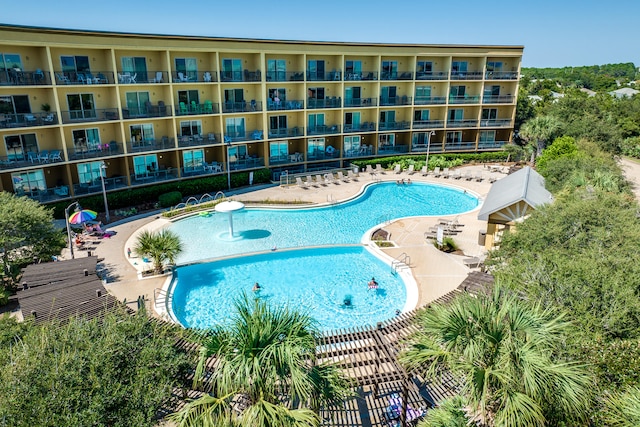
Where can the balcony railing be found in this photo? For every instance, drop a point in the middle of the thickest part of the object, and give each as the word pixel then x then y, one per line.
pixel 360 127
pixel 462 123
pixel 360 102
pixel 460 146
pixel 495 123
pixel 160 110
pixel 466 99
pixel 95 186
pixel 324 76
pixel 491 145
pixel 150 145
pixel 466 75
pixel 30 159
pixel 27 120
pixel 323 130
pixel 285 76
pixel 400 125
pixel 192 77
pixel 501 75
pixel 285 105
pixel 430 100
pixel 324 103
pixel 84 78
pixel 247 162
pixel 17 77
pixel 191 109
pixel 317 154
pixel 95 150
pixel 286 158
pixel 241 76
pixel 97 115
pixel 256 135
pixel 152 176
pixel 363 75
pixel 428 124
pixel 395 100
pixel 197 140
pixel 435 75
pixel 498 99
pixel 392 149
pixel 286 132
pixel 242 106
pixel 362 151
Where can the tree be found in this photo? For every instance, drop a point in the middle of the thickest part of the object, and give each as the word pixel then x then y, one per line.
pixel 27 232
pixel 565 146
pixel 539 130
pixel 264 356
pixel 117 371
pixel 624 409
pixel 162 246
pixel 450 413
pixel 504 352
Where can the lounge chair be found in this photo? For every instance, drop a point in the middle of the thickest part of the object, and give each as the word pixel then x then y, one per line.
pixel 445 173
pixel 320 180
pixel 473 262
pixel 397 169
pixel 379 168
pixel 393 412
pixel 436 172
pixel 352 175
pixel 478 176
pixel 411 170
pixel 456 174
pixel 309 180
pixel 467 176
pixel 424 171
pixel 329 178
pixel 300 182
pixel 341 177
pixel 492 178
pixel 369 169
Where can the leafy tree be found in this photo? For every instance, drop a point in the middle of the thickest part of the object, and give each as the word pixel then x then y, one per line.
pixel 116 371
pixel 265 356
pixel 624 409
pixel 504 351
pixel 539 130
pixel 26 232
pixel 161 246
pixel 450 413
pixel 564 146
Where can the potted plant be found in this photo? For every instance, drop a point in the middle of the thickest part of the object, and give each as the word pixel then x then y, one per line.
pixel 45 107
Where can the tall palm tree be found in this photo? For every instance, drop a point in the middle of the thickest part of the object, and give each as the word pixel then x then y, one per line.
pixel 624 409
pixel 161 246
pixel 540 130
pixel 503 352
pixel 265 357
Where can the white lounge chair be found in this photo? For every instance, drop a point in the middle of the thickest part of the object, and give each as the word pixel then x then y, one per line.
pixel 456 174
pixel 445 173
pixel 352 175
pixel 478 177
pixel 379 168
pixel 309 180
pixel 467 176
pixel 320 180
pixel 397 169
pixel 411 170
pixel 369 169
pixel 329 178
pixel 436 172
pixel 300 182
pixel 424 171
pixel 341 177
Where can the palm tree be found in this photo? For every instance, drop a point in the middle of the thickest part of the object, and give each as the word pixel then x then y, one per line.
pixel 265 356
pixel 450 413
pixel 624 409
pixel 503 351
pixel 161 246
pixel 540 130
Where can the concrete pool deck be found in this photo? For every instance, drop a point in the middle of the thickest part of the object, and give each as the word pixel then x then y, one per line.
pixel 436 273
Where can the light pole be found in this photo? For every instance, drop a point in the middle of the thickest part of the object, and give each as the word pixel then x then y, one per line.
pixel 103 173
pixel 228 167
pixel 66 218
pixel 428 146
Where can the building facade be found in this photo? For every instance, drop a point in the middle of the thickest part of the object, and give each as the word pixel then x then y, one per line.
pixel 142 109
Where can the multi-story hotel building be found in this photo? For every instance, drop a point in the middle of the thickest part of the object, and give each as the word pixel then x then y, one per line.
pixel 151 108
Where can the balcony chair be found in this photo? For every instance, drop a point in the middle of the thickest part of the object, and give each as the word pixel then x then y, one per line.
pixel 158 78
pixel 55 155
pixel 206 77
pixel 183 108
pixel 208 107
pixel 30 119
pixel 182 78
pixel 194 107
pixel 43 156
pixel 211 137
pixel 62 78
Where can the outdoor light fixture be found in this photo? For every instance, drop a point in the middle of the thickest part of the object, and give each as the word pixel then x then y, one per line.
pixel 103 173
pixel 66 217
pixel 428 145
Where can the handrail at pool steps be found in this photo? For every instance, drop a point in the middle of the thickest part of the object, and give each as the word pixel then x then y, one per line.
pixel 401 261
pixel 159 297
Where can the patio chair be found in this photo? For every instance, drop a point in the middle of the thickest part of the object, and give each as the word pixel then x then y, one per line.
pixel 445 173
pixel 300 182
pixel 206 77
pixel 80 78
pixel 393 412
pixel 436 172
pixel 424 171
pixel 182 77
pixel 379 168
pixel 411 170
pixel 208 107
pixel 397 169
pixel 320 180
pixel 211 137
pixel 183 108
pixel 352 175
pixel 478 177
pixel 158 78
pixel 32 156
pixel 43 156
pixel 456 174
pixel 49 118
pixel 369 169
pixel 133 78
pixel 309 180
pixel 30 119
pixel 467 176
pixel 55 155
pixel 341 177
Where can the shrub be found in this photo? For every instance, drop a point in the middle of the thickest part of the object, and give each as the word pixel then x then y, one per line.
pixel 169 199
pixel 4 296
pixel 448 245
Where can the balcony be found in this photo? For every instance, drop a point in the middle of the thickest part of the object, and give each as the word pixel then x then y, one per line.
pixel 360 127
pixel 430 100
pixel 31 159
pixel 462 123
pixel 150 145
pixel 460 146
pixel 94 150
pixel 95 186
pixel 17 77
pixel 496 123
pixel 247 162
pixel 361 151
pixel 392 149
pixel 285 105
pixel 286 132
pixel 285 76
pixel 395 75
pixel 324 76
pixel 254 135
pixel 466 99
pixel 491 145
pixel 385 126
pixel 286 159
pixel 240 107
pixel 498 99
pixel 395 100
pixel 428 75
pixel 241 76
pixel 323 130
pixel 84 78
pixel 192 77
pixel 192 109
pixel 147 111
pixel 360 102
pixel 198 140
pixel 318 154
pixel 501 75
pixel 363 75
pixel 313 103
pixel 27 120
pixel 428 124
pixel 97 115
pixel 153 175
pixel 466 75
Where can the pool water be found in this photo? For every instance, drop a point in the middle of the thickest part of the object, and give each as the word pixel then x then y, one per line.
pixel 263 229
pixel 316 280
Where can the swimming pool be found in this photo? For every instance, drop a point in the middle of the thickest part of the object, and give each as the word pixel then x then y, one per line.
pixel 314 279
pixel 260 229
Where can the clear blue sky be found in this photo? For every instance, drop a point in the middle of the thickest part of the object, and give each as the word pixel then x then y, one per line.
pixel 554 33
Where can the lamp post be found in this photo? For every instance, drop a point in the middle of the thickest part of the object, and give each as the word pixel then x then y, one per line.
pixel 103 173
pixel 66 217
pixel 429 135
pixel 228 167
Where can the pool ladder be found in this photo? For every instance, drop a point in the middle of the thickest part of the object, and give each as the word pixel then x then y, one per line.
pixel 159 297
pixel 401 261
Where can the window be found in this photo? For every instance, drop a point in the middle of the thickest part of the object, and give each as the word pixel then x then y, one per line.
pixel 143 165
pixel 279 150
pixel 316 121
pixel 19 145
pixel 421 138
pixel 188 67
pixel 235 127
pixel 421 115
pixel 81 106
pixel 75 64
pixel 86 139
pixel 141 133
pixel 488 136
pixel 192 159
pixel 24 182
pixel 423 94
pixel 277 70
pixel 386 140
pixel 353 70
pixel 237 152
pixel 137 103
pixel 188 96
pixel 492 91
pixel 494 67
pixel 90 172
pixel 489 113
pixel 352 120
pixel 8 63
pixel 316 92
pixel 456 114
pixel 454 137
pixel 135 65
pixel 191 127
pixel 315 69
pixel 424 68
pixel 459 67
pixel 387 95
pixel 389 70
pixel 15 104
pixel 232 69
pixel 278 125
pixel 457 92
pixel 352 144
pixel 279 93
pixel 315 146
pixel 387 117
pixel 352 96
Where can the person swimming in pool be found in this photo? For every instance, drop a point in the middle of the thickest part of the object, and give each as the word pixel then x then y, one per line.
pixel 373 284
pixel 256 287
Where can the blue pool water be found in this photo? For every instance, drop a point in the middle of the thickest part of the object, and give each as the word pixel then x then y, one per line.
pixel 316 280
pixel 263 229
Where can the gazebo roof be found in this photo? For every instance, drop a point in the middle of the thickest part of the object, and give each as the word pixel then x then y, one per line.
pixel 525 185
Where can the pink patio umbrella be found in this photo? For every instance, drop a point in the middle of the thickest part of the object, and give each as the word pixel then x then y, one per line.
pixel 82 216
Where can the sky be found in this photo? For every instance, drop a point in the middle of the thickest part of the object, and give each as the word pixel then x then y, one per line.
pixel 558 33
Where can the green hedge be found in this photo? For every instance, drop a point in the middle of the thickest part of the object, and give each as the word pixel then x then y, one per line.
pixel 150 194
pixel 169 199
pixel 388 162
